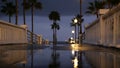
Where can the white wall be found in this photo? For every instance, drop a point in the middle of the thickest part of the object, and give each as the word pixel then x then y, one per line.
pixel 106 30
pixel 12 34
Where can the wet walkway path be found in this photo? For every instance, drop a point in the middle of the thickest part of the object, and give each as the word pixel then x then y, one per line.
pixel 62 56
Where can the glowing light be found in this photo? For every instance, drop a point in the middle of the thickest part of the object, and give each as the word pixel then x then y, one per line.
pixel 75 62
pixel 75 47
pixel 73 52
pixel 75 20
pixel 73 31
pixel 71 38
pixel 72 45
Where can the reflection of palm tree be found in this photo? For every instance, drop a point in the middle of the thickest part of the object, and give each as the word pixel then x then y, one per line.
pixel 54 15
pixel 9 9
pixel 33 4
pixel 94 7
pixel 55 63
pixel 80 59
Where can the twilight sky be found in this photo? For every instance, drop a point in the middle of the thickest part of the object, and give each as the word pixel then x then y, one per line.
pixel 67 9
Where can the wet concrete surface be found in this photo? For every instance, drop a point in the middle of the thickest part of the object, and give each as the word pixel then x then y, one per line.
pixel 60 56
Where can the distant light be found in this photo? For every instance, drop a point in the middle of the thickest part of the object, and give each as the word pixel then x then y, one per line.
pixel 71 38
pixel 75 47
pixel 73 31
pixel 73 52
pixel 75 20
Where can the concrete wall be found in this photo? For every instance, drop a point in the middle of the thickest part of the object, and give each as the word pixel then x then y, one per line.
pixel 12 34
pixel 105 30
pixel 92 33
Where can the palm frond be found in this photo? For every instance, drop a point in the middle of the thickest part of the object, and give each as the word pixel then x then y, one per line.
pixel 54 15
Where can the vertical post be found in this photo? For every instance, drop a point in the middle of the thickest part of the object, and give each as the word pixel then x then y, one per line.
pixel 24 4
pixel 75 33
pixel 114 30
pixel 32 56
pixel 16 1
pixel 80 34
pixel 32 24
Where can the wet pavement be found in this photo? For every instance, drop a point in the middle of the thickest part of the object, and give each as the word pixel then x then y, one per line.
pixel 61 56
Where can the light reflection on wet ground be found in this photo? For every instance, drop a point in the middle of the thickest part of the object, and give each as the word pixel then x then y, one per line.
pixel 62 56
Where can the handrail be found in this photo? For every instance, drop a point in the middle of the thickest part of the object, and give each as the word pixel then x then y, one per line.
pixel 29 37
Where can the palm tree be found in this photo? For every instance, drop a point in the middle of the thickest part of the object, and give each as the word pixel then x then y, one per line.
pixel 54 15
pixel 94 7
pixel 80 21
pixel 9 9
pixel 55 27
pixel 24 8
pixel 16 9
pixel 74 25
pixel 33 4
pixel 112 3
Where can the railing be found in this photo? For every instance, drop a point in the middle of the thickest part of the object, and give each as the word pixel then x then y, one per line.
pixel 14 34
pixel 36 38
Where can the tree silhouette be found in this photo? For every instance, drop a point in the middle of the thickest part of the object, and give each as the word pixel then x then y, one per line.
pixel 24 10
pixel 94 7
pixel 9 9
pixel 54 15
pixel 112 3
pixel 74 25
pixel 33 4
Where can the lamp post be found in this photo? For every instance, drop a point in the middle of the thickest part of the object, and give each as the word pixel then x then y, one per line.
pixel 75 21
pixel 73 34
pixel 80 34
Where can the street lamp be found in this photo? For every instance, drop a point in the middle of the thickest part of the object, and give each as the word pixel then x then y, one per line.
pixel 73 34
pixel 80 20
pixel 75 21
pixel 73 31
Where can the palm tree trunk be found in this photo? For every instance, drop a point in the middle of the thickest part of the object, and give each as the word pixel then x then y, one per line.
pixel 24 1
pixel 97 15
pixel 16 1
pixel 32 10
pixel 55 36
pixel 9 19
pixel 78 32
pixel 80 7
pixel 75 33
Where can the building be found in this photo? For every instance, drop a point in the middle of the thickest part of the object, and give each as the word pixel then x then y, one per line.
pixel 39 39
pixel 105 30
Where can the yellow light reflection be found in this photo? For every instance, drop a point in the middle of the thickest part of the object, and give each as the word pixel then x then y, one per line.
pixel 73 52
pixel 75 47
pixel 75 62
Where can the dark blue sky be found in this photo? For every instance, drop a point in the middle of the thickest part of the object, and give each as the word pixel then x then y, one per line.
pixel 67 9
